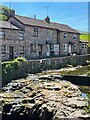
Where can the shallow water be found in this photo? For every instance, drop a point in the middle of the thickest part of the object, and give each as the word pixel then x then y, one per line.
pixel 84 95
pixel 85 91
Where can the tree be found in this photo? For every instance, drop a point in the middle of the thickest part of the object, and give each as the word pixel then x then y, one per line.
pixel 4 12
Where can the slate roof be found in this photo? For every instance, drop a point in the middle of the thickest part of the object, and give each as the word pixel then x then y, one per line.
pixel 43 23
pixel 6 24
pixel 63 27
pixel 33 22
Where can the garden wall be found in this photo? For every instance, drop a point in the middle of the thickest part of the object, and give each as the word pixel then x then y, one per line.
pixel 56 63
pixel 18 69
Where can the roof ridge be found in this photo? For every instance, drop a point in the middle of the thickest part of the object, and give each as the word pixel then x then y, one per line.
pixel 31 18
pixel 42 23
pixel 58 23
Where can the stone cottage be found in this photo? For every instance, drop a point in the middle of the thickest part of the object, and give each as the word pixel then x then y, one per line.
pixel 83 47
pixel 34 38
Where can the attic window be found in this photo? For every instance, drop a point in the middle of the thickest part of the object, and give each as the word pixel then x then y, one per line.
pixel 65 35
pixel 35 30
pixel 74 36
pixel 2 34
pixel 21 36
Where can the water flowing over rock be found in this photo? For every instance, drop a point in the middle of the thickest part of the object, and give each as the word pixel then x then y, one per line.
pixel 42 98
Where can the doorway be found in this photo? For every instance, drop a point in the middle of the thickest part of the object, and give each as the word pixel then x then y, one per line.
pixel 40 49
pixel 11 52
pixel 48 50
pixel 70 49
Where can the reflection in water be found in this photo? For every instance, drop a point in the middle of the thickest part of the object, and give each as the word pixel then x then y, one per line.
pixel 85 91
pixel 84 95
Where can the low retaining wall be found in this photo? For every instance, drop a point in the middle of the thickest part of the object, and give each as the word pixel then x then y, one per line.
pixel 39 65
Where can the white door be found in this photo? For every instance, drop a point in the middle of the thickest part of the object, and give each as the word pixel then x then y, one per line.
pixel 48 50
pixel 70 49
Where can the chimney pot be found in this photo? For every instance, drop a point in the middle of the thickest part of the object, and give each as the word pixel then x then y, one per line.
pixel 12 12
pixel 47 19
pixel 34 16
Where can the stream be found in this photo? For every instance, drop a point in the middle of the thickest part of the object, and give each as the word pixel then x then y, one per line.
pixel 74 71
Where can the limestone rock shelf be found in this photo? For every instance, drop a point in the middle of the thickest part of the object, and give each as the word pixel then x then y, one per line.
pixel 42 98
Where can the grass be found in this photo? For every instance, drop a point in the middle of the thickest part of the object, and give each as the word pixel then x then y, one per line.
pixel 85 37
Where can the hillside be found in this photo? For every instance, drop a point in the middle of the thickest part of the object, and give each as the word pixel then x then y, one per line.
pixel 85 37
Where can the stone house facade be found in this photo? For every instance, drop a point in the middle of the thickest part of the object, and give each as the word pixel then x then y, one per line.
pixel 83 47
pixel 33 38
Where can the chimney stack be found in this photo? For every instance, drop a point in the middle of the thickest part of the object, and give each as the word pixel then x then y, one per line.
pixel 12 12
pixel 34 16
pixel 47 19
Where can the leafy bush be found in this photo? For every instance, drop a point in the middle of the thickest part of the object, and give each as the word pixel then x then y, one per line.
pixel 3 17
pixel 14 69
pixel 88 73
pixel 4 12
pixel 20 59
pixel 4 8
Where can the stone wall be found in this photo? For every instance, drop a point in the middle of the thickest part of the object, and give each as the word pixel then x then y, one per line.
pixel 39 65
pixel 83 50
pixel 11 39
pixel 44 34
pixel 88 50
pixel 56 63
pixel 51 36
pixel 66 40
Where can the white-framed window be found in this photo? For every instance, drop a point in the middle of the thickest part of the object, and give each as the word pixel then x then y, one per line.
pixel 74 47
pixel 65 35
pixel 39 47
pixel 65 47
pixel 84 45
pixel 2 34
pixel 3 49
pixel 32 47
pixel 35 32
pixel 21 36
pixel 21 49
pixel 74 36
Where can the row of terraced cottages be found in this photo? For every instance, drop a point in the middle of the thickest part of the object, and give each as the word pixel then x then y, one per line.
pixel 33 38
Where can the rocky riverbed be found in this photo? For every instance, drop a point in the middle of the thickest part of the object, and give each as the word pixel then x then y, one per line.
pixel 43 98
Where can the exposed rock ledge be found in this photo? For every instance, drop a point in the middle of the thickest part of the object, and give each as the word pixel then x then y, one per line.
pixel 42 98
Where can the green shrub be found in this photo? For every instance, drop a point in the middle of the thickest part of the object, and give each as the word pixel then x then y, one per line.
pixel 88 73
pixel 3 17
pixel 14 69
pixel 21 59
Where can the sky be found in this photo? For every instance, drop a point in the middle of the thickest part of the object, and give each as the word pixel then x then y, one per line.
pixel 74 14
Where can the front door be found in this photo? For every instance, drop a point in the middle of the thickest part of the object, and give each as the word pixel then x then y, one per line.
pixel 11 54
pixel 40 49
pixel 48 50
pixel 70 48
